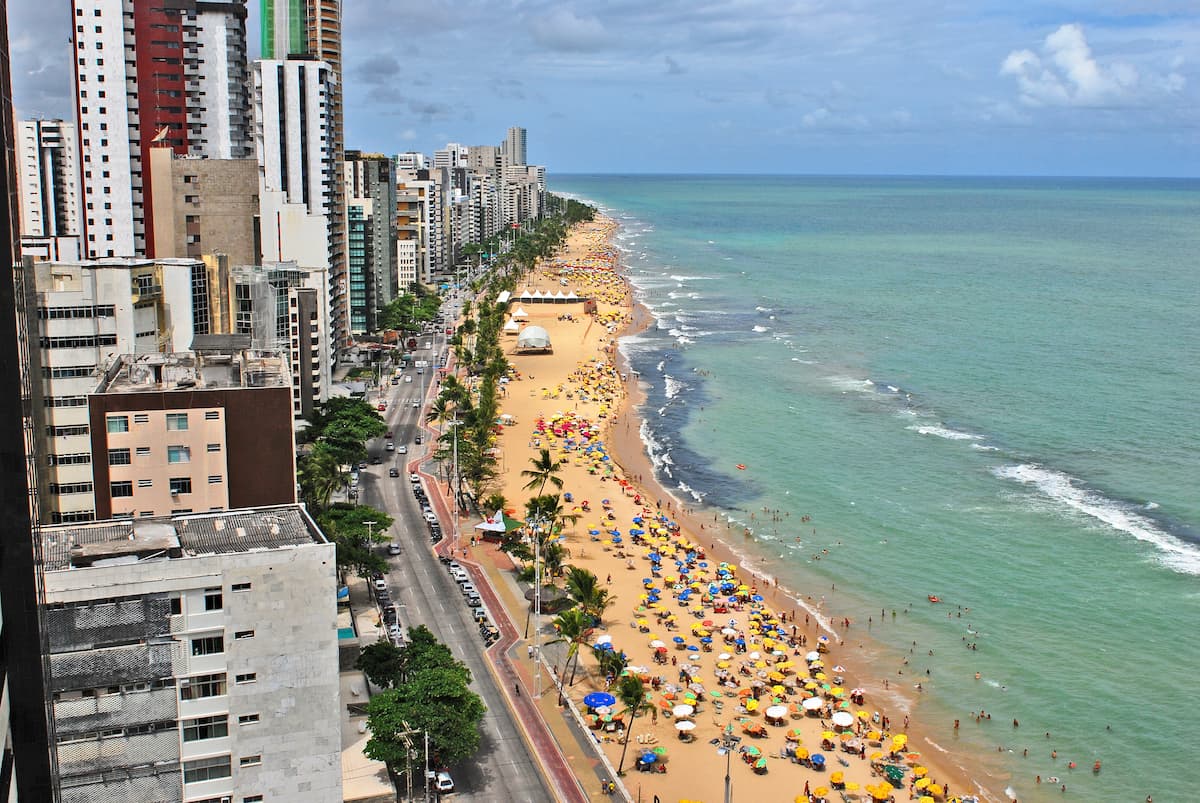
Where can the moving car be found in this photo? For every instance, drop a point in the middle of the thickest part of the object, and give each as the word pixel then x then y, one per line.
pixel 393 472
pixel 402 449
pixel 391 447
pixel 381 406
pixel 419 439
pixel 393 549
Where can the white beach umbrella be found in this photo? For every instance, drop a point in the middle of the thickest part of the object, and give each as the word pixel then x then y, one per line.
pixel 812 703
pixel 682 711
pixel 843 719
pixel 685 725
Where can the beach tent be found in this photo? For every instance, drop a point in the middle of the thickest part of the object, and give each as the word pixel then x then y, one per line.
pixel 520 314
pixel 560 296
pixel 537 295
pixel 494 527
pixel 572 296
pixel 503 297
pixel 535 338
pixel 525 296
pixel 512 327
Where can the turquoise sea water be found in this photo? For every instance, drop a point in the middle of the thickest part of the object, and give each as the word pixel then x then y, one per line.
pixel 980 389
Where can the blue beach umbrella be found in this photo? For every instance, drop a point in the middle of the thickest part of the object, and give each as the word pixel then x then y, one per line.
pixel 756 598
pixel 706 640
pixel 694 648
pixel 678 639
pixel 599 698
pixel 817 760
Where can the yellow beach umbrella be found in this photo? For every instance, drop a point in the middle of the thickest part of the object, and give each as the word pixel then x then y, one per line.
pixel 920 772
pixel 821 791
pixel 864 715
pixel 830 735
pixel 935 790
pixel 837 777
pixel 925 799
pixel 922 783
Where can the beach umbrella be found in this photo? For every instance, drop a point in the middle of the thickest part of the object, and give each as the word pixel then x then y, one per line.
pixel 656 643
pixel 685 726
pixel 851 786
pixel 677 639
pixel 837 777
pixel 817 760
pixel 821 791
pixel 935 790
pixel 752 705
pixel 760 763
pixel 812 703
pixel 920 772
pixel 646 758
pixel 925 799
pixel 776 711
pixel 922 783
pixel 828 736
pixel 682 711
pixel 599 698
pixel 843 719
pixel 752 750
pixel 793 735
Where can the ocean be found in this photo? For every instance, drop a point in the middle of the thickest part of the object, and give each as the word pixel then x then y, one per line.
pixel 979 389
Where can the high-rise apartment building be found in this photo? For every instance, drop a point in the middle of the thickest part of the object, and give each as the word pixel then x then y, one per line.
pixel 298 174
pixel 512 152
pixel 194 658
pixel 152 74
pixel 49 189
pixel 26 767
pixel 370 192
pixel 313 29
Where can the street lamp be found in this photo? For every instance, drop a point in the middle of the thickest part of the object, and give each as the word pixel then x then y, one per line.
pixel 728 742
pixel 537 610
pixel 370 525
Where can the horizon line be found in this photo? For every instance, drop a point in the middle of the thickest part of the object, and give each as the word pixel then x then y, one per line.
pixel 659 173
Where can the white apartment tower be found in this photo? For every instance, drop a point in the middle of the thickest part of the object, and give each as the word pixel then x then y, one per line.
pixel 194 658
pixel 298 173
pixel 49 189
pixel 149 75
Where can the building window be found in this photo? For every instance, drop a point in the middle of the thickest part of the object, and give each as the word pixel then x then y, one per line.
pixel 213 415
pixel 248 719
pixel 201 686
pixel 250 761
pixel 253 799
pixel 207 769
pixel 208 645
pixel 141 418
pixel 146 483
pixel 121 489
pixel 176 606
pixel 213 599
pixel 214 727
pixel 240 587
pixel 241 634
pixel 179 454
pixel 118 423
pixel 177 421
pixel 181 485
pixel 143 451
pixel 214 447
pixel 119 457
pixel 214 479
pixel 248 677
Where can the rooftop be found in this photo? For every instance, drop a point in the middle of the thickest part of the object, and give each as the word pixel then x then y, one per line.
pixel 70 546
pixel 211 367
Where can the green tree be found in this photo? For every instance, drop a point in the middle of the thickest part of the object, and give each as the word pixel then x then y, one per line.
pixel 381 663
pixel 545 469
pixel 435 701
pixel 584 587
pixel 346 525
pixel 631 691
pixel 574 627
pixel 320 474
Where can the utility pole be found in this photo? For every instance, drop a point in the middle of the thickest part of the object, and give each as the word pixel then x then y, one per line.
pixel 537 611
pixel 407 735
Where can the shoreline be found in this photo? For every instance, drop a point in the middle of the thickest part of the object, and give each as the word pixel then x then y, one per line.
pixel 620 433
pixel 628 450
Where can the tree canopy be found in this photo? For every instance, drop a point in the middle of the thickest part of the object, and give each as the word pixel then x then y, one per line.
pixel 427 690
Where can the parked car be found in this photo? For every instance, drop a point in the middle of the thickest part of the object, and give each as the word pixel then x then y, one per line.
pixel 391 447
pixel 415 479
pixel 393 549
pixel 419 439
pixel 381 406
pixel 441 781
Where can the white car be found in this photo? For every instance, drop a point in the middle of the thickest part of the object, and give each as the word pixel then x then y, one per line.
pixel 441 781
pixel 408 379
pixel 402 449
pixel 430 516
pixel 415 479
pixel 393 549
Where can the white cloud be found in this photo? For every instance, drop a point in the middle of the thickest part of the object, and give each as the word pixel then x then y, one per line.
pixel 1067 74
pixel 561 29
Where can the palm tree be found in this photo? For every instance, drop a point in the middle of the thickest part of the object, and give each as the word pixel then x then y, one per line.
pixel 573 627
pixel 320 475
pixel 632 693
pixel 584 588
pixel 545 469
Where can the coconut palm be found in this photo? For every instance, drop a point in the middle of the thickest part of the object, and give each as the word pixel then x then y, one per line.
pixel 573 628
pixel 584 587
pixel 545 469
pixel 320 476
pixel 631 691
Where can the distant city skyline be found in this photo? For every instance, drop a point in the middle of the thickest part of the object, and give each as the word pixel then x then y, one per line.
pixel 1078 87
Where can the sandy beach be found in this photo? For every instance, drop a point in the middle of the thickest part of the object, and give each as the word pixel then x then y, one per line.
pixel 722 649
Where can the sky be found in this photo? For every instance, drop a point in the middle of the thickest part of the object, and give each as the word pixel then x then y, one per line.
pixel 945 87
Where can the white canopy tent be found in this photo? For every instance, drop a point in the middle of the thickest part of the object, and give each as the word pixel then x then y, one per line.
pixel 535 338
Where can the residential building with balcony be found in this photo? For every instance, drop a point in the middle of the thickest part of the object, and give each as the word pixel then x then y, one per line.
pixel 47 161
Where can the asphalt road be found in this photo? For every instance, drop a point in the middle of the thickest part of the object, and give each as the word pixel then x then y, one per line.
pixel 425 594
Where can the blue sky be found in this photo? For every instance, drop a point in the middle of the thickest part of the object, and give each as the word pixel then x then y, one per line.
pixel 1077 87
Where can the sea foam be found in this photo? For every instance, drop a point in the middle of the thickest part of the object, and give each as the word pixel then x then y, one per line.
pixel 1066 490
